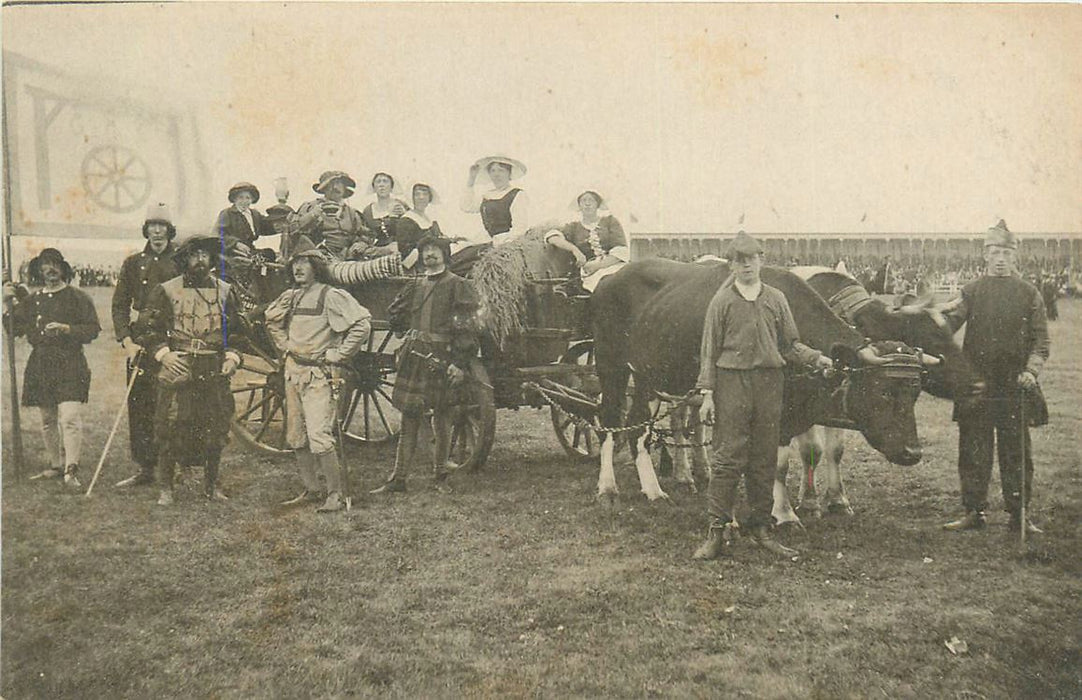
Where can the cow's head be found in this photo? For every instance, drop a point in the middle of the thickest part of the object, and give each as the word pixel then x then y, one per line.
pixel 883 381
pixel 924 326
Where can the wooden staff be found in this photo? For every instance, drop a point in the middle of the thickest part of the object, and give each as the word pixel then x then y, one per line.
pixel 116 423
pixel 9 332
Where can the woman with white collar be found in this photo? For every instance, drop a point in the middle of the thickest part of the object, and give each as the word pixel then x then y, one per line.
pixel 381 216
pixel 416 223
pixel 505 210
pixel 596 241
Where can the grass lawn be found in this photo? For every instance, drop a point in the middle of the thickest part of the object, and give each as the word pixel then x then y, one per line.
pixel 517 584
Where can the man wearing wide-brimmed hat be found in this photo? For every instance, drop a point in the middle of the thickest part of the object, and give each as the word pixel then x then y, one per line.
pixel 57 320
pixel 1007 341
pixel 438 313
pixel 239 223
pixel 138 275
pixel 190 325
pixel 748 338
pixel 318 328
pixel 328 221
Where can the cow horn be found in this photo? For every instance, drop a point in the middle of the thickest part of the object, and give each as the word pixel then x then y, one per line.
pixel 929 360
pixel 867 355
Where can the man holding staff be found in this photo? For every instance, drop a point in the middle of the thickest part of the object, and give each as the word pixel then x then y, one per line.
pixel 1007 342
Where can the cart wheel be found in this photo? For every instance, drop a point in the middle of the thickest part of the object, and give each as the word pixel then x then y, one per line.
pixel 473 424
pixel 578 441
pixel 365 410
pixel 259 393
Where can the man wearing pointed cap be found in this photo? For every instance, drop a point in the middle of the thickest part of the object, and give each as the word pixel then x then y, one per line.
pixel 191 327
pixel 238 225
pixel 318 328
pixel 748 338
pixel 138 275
pixel 328 221
pixel 57 320
pixel 1007 341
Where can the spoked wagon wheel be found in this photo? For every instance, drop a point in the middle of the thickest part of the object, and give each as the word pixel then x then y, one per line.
pixel 578 441
pixel 259 420
pixel 365 408
pixel 473 426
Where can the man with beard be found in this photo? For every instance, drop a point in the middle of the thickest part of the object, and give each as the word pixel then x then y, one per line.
pixel 57 320
pixel 138 275
pixel 191 327
pixel 318 328
pixel 439 310
pixel 328 221
pixel 1007 342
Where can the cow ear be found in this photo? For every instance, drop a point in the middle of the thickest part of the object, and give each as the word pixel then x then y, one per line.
pixel 843 355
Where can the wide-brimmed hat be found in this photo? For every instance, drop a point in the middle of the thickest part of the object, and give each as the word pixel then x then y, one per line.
pixel 998 235
pixel 744 245
pixel 241 187
pixel 440 242
pixel 54 256
pixel 395 187
pixel 602 203
pixel 279 212
pixel 330 176
pixel 518 168
pixel 423 183
pixel 211 243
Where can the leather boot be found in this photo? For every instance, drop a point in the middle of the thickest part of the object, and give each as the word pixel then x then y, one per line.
pixel 210 479
pixel 764 537
pixel 71 476
pixel 306 465
pixel 1015 524
pixel 332 473
pixel 972 520
pixel 403 458
pixel 718 542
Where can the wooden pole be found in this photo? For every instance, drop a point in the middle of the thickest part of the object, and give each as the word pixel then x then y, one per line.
pixel 9 332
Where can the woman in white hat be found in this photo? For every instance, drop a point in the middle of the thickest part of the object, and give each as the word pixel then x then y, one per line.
pixel 381 215
pixel 505 210
pixel 597 241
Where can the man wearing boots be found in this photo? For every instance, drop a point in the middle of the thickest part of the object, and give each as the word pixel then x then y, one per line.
pixel 439 310
pixel 1007 342
pixel 318 328
pixel 190 325
pixel 748 338
pixel 138 275
pixel 57 320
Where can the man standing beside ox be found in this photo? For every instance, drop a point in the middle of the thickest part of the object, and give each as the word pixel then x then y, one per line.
pixel 748 337
pixel 317 327
pixel 138 275
pixel 1007 342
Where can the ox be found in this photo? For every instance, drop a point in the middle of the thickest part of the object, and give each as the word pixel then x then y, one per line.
pixel 650 315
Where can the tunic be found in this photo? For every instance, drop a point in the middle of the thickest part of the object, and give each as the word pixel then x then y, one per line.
pixel 138 275
pixel 341 228
pixel 56 371
pixel 233 227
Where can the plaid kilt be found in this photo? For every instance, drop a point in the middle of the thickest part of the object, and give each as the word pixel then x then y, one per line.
pixel 417 386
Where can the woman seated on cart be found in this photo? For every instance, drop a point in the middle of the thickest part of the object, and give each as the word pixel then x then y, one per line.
pixel 504 209
pixel 597 241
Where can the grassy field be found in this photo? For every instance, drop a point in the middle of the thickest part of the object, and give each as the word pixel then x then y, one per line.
pixel 516 584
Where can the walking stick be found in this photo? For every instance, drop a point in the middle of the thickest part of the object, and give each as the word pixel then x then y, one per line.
pixel 1022 439
pixel 116 423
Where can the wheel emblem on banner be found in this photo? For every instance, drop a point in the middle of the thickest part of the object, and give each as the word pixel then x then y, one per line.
pixel 116 178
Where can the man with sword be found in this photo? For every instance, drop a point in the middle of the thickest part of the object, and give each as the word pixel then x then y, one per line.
pixel 439 310
pixel 318 328
pixel 138 275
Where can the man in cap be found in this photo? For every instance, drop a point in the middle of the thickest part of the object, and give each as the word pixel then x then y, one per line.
pixel 57 320
pixel 190 325
pixel 318 328
pixel 327 220
pixel 748 338
pixel 439 310
pixel 138 275
pixel 238 225
pixel 1007 342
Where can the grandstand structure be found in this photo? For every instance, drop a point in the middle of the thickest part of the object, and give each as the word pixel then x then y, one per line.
pixel 1051 250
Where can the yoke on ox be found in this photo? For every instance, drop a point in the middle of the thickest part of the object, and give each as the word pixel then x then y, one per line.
pixel 650 317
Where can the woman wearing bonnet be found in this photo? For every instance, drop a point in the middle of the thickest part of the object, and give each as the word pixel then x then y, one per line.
pixel 596 240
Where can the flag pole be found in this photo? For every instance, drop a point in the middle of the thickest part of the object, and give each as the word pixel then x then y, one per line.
pixel 9 330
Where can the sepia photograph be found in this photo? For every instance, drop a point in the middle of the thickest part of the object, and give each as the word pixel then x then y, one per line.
pixel 561 350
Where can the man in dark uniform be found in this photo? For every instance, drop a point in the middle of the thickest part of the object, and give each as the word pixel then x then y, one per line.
pixel 749 336
pixel 138 275
pixel 440 312
pixel 190 325
pixel 1007 342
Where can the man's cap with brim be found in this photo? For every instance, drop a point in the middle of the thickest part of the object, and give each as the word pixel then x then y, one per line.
pixel 200 241
pixel 244 187
pixel 306 249
pixel 518 168
pixel 159 212
pixel 743 245
pixel 55 257
pixel 440 242
pixel 998 235
pixel 330 176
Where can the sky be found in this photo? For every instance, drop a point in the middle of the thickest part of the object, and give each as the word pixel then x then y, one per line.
pixel 688 118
